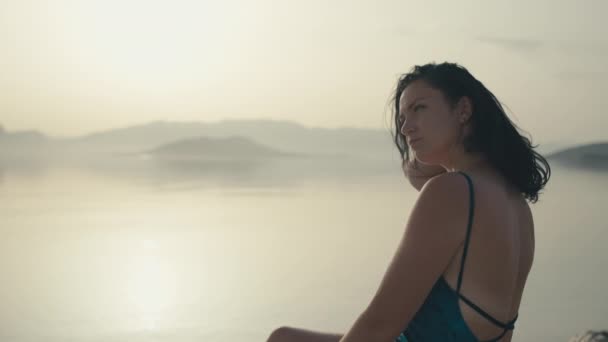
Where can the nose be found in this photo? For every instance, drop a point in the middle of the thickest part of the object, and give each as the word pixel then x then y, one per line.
pixel 406 128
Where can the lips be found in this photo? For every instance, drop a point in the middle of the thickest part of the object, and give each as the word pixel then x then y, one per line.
pixel 414 140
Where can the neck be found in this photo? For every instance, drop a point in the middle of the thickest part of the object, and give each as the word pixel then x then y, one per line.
pixel 466 162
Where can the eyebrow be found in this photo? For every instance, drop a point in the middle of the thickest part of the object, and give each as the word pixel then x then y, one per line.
pixel 413 103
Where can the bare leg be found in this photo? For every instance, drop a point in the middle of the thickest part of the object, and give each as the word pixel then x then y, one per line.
pixel 287 334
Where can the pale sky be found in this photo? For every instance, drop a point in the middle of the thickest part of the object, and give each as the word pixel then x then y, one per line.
pixel 73 67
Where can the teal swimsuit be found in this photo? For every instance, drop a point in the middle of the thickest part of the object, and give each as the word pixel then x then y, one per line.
pixel 439 318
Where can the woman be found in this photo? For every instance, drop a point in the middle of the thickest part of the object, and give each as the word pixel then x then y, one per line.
pixel 461 267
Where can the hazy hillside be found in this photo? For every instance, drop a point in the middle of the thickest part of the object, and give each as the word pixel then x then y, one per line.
pixel 280 135
pixel 22 138
pixel 203 148
pixel 594 156
pixel 24 145
pixel 264 138
pixel 552 147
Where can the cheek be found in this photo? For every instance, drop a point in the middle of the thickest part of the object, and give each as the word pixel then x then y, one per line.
pixel 433 127
pixel 439 131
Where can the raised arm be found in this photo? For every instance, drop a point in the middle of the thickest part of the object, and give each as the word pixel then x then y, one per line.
pixel 418 173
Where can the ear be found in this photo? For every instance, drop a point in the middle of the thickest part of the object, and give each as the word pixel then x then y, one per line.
pixel 464 109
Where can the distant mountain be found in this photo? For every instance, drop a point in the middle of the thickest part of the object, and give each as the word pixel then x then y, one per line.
pixel 593 156
pixel 336 143
pixel 548 148
pixel 217 149
pixel 22 138
pixel 281 135
pixel 20 144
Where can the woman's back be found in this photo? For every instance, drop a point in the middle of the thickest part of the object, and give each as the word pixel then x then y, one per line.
pixel 499 256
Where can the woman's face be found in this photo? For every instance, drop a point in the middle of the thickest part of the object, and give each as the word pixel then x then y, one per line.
pixel 428 122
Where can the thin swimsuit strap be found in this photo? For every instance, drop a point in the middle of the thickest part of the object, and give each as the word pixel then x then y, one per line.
pixel 509 325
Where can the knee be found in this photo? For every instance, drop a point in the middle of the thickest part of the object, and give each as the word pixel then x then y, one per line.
pixel 282 334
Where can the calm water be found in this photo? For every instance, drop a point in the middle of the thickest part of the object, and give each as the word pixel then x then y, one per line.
pixel 190 253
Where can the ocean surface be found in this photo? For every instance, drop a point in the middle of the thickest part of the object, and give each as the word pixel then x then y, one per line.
pixel 219 253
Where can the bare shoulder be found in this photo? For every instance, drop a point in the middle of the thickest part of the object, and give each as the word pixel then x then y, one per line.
pixel 446 179
pixel 446 186
pixel 444 197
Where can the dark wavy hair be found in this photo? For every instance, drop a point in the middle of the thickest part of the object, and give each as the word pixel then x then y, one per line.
pixel 493 133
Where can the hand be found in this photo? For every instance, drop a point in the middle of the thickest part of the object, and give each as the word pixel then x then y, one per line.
pixel 418 173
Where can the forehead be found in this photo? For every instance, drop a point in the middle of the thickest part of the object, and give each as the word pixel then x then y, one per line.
pixel 415 90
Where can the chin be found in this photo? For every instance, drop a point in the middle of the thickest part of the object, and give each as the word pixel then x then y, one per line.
pixel 425 162
pixel 427 159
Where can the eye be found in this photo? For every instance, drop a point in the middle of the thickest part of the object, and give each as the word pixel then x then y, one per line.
pixel 417 107
pixel 401 119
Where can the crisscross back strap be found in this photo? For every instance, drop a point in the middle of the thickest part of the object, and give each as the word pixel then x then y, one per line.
pixel 506 326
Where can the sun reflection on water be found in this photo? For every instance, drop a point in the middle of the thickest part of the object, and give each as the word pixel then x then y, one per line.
pixel 151 285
